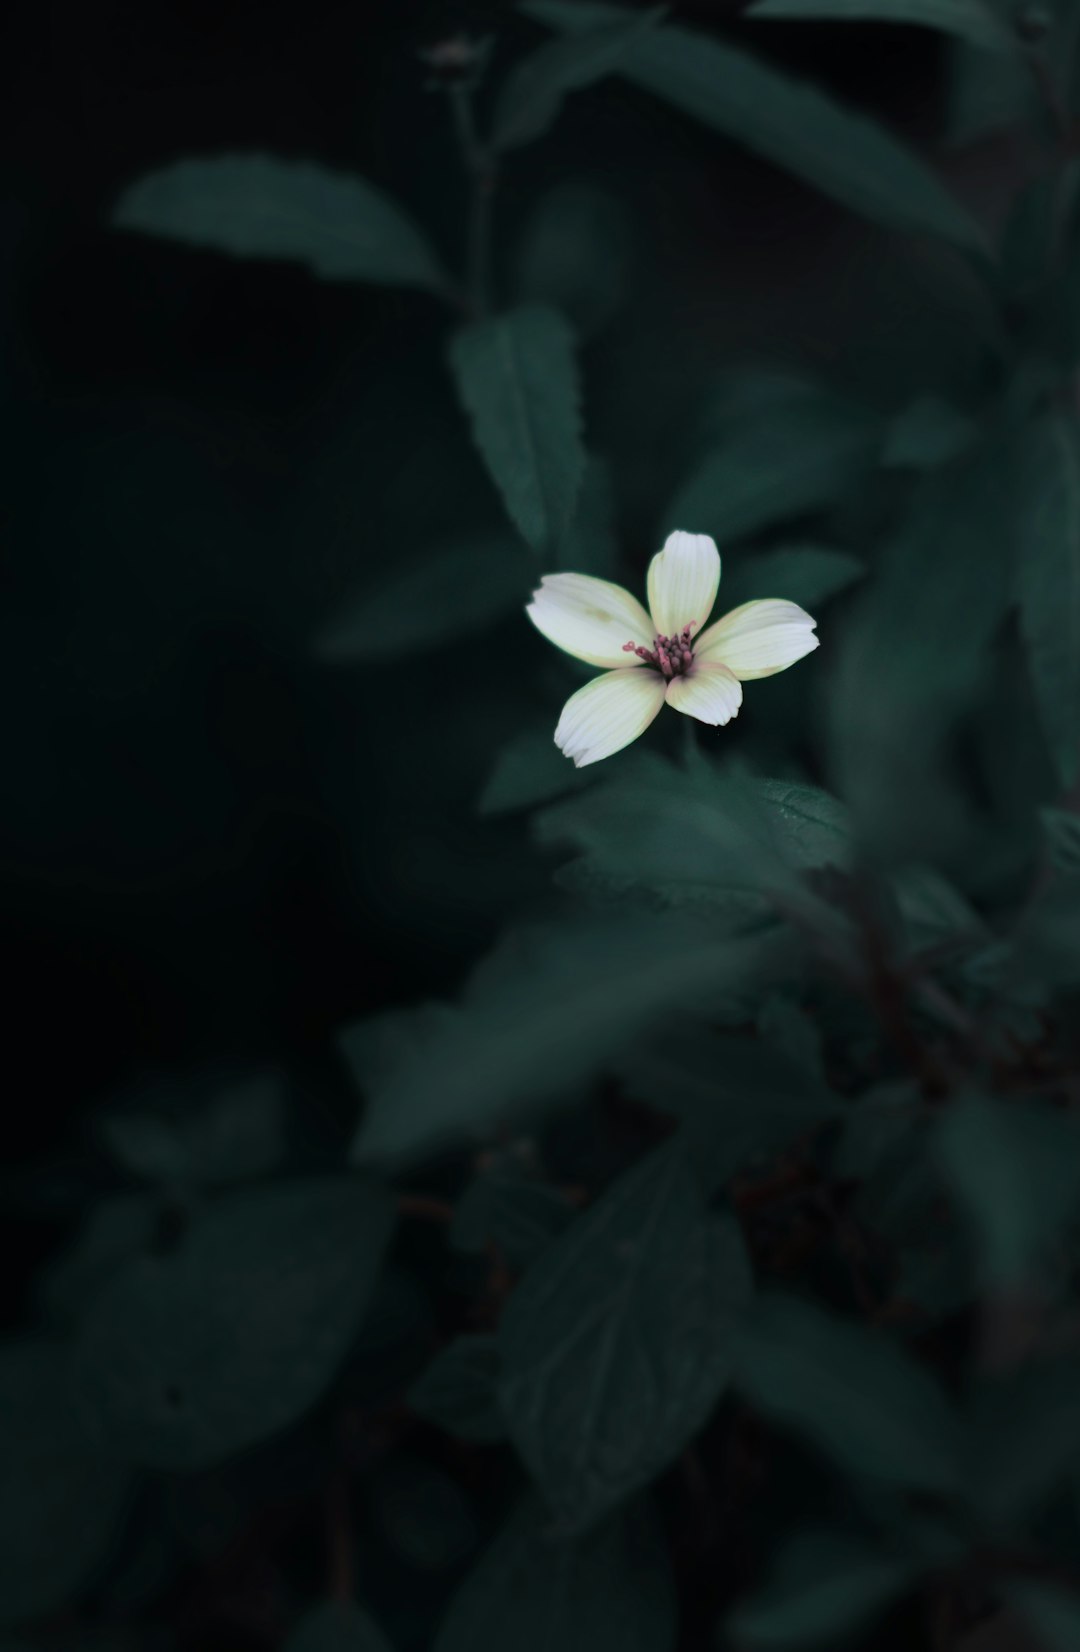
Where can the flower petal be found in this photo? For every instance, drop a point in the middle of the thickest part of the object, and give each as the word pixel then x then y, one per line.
pixel 710 692
pixel 607 714
pixel 759 638
pixel 590 618
pixel 683 580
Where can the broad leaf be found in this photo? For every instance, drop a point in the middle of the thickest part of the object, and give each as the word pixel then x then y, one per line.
pixel 459 588
pixel 854 1393
pixel 822 1584
pixel 193 1353
pixel 970 20
pixel 256 206
pixel 459 1390
pixel 545 1011
pixel 532 94
pixel 1048 567
pixel 929 432
pixel 792 124
pixel 337 1626
pixel 589 544
pixel 62 1494
pixel 506 1207
pixel 207 1131
pixel 536 1592
pixel 1014 1169
pixel 617 1343
pixel 807 574
pixel 517 379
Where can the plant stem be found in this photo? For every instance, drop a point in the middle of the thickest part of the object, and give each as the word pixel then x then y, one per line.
pixel 480 166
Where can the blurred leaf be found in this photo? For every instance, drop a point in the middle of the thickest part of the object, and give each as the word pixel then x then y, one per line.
pixel 511 1209
pixel 532 93
pixel 1048 513
pixel 191 1354
pixel 1053 1612
pixel 987 93
pixel 822 1583
pixel 255 206
pixel 337 1626
pixel 536 1592
pixel 589 544
pixel 1032 241
pixel 1023 1439
pixel 235 1131
pixel 929 432
pixel 1014 1169
pixel 529 770
pixel 792 1034
pixel 858 1396
pixel 806 574
pixel 617 1343
pixel 793 125
pixel 795 457
pixel 1062 831
pixel 459 1390
pixel 546 1010
pixel 578 252
pixel 61 1494
pixel 934 913
pixel 738 1099
pixel 969 19
pixel 456 590
pixel 518 382
pixel 115 1229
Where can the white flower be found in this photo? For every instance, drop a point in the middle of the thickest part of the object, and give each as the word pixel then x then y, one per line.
pixel 662 655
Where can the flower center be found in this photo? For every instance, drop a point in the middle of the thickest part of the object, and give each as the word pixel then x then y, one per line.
pixel 671 655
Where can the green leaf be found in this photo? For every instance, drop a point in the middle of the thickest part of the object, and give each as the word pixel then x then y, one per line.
pixel 1023 1440
pixel 929 432
pixel 589 544
pixel 459 1390
pixel 1053 1612
pixel 934 913
pixel 115 1230
pixel 823 1583
pixel 988 93
pixel 530 770
pixel 1061 829
pixel 617 1343
pixel 457 589
pixel 191 1354
pixel 738 1100
pixel 211 1131
pixel 807 574
pixel 793 125
pixel 578 250
pixel 855 1394
pixel 792 459
pixel 545 1011
pixel 337 1626
pixel 255 206
pixel 511 1209
pixel 62 1495
pixel 518 382
pixel 969 20
pixel 532 94
pixel 1014 1169
pixel 1048 515
pixel 536 1592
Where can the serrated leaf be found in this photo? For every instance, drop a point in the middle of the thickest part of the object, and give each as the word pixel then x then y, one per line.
pixel 822 1583
pixel 807 574
pixel 337 1626
pixel 858 1396
pixel 459 1389
pixel 617 1343
pixel 589 544
pixel 792 124
pixel 518 382
pixel 256 206
pixel 969 20
pixel 795 458
pixel 62 1492
pixel 1014 1169
pixel 536 1592
pixel 1053 1612
pixel 533 92
pixel 457 589
pixel 1061 829
pixel 191 1354
pixel 928 432
pixel 1048 516
pixel 546 1010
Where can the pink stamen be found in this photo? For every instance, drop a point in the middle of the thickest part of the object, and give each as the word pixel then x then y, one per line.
pixel 672 655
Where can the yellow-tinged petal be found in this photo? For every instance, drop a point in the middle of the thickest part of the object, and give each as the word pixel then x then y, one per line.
pixel 607 714
pixel 710 692
pixel 759 638
pixel 590 618
pixel 683 581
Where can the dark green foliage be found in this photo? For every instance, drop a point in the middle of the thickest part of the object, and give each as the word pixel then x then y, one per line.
pixel 459 1389
pixel 337 1626
pixel 973 20
pixel 823 1584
